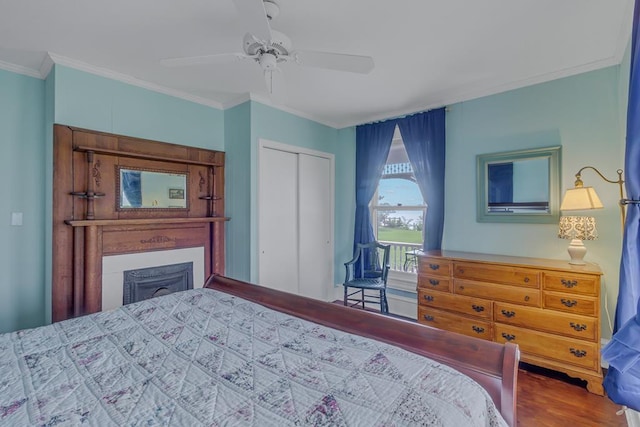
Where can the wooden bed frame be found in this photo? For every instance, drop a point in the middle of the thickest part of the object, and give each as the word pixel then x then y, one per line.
pixel 494 366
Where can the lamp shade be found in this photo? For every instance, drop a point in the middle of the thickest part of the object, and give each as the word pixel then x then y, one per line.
pixel 580 198
pixel 577 227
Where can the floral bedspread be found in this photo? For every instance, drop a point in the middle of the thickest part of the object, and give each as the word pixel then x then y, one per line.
pixel 203 357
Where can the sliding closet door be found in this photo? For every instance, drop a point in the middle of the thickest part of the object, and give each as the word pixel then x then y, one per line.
pixel 295 234
pixel 315 213
pixel 278 220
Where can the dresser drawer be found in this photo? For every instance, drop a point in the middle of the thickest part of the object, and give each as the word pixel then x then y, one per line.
pixel 569 303
pixel 497 274
pixel 434 266
pixel 515 294
pixel 454 323
pixel 572 283
pixel 461 304
pixel 435 283
pixel 581 327
pixel 567 350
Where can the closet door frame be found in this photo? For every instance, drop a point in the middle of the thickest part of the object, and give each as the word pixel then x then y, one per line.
pixel 268 144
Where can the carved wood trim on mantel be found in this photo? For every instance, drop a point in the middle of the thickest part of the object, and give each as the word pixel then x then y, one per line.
pixel 87 224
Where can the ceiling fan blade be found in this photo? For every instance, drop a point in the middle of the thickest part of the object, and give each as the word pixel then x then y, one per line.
pixel 254 16
pixel 204 59
pixel 335 61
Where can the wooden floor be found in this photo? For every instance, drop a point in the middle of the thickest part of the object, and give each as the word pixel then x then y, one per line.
pixel 548 398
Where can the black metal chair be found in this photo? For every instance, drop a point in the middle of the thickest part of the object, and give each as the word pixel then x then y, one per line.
pixel 372 270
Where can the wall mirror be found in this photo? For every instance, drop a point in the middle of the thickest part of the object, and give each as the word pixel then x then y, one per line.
pixel 151 189
pixel 519 186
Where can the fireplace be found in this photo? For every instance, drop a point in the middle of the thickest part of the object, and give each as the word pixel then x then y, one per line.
pixel 95 238
pixel 145 283
pixel 115 268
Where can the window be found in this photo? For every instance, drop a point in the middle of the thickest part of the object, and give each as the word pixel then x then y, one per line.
pixel 398 209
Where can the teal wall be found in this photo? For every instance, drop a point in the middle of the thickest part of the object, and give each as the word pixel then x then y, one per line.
pixel 49 114
pixel 585 114
pixel 22 170
pixel 581 113
pixel 238 191
pixel 97 103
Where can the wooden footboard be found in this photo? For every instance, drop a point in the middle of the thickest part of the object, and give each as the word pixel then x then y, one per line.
pixel 492 365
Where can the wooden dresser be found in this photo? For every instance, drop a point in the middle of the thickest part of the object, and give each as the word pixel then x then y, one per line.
pixel 550 308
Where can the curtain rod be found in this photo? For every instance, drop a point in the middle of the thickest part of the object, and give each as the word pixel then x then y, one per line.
pixel 447 108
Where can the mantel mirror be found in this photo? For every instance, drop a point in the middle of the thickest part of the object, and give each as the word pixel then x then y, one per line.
pixel 151 189
pixel 519 186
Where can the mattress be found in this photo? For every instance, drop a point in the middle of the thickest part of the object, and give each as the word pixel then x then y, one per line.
pixel 203 357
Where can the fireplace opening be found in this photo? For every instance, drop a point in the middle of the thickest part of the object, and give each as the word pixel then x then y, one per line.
pixel 145 283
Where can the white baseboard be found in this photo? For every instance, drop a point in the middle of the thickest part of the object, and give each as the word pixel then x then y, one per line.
pixel 402 306
pixel 633 417
pixel 604 363
pixel 399 305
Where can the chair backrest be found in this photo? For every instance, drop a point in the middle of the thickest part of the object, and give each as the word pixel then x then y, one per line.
pixel 373 259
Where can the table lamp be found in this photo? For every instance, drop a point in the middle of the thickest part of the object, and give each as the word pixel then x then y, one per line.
pixel 577 228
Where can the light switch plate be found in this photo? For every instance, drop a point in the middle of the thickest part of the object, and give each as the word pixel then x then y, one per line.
pixel 16 218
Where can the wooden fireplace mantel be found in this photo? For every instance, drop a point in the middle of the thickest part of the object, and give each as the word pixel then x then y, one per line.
pixel 88 223
pixel 107 222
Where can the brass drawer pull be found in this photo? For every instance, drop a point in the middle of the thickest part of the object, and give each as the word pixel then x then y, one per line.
pixel 477 329
pixel 428 297
pixel 578 353
pixel 508 337
pixel 428 318
pixel 569 283
pixel 477 308
pixel 578 326
pixel 434 282
pixel 508 313
pixel 568 302
pixel 434 266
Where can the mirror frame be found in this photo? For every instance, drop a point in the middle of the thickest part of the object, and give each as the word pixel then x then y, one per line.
pixel 118 198
pixel 554 155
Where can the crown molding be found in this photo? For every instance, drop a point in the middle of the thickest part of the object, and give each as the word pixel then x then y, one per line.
pixel 46 66
pixel 438 100
pixel 488 90
pixel 19 69
pixel 301 114
pixel 237 101
pixel 624 38
pixel 124 78
pixel 53 58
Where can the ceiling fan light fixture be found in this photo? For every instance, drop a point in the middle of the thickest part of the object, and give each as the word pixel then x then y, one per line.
pixel 268 61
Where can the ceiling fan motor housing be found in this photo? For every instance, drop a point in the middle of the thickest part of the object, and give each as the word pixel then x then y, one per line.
pixel 279 46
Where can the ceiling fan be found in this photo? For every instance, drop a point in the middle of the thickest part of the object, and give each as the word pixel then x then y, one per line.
pixel 268 47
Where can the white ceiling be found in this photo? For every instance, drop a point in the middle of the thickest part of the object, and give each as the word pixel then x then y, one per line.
pixel 427 53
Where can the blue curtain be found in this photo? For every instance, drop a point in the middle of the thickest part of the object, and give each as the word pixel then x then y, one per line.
pixel 132 187
pixel 424 139
pixel 500 182
pixel 373 142
pixel 622 382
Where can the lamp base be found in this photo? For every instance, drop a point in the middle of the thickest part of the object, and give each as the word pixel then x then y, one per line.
pixel 577 251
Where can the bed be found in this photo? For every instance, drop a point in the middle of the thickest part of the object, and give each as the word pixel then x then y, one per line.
pixel 233 353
